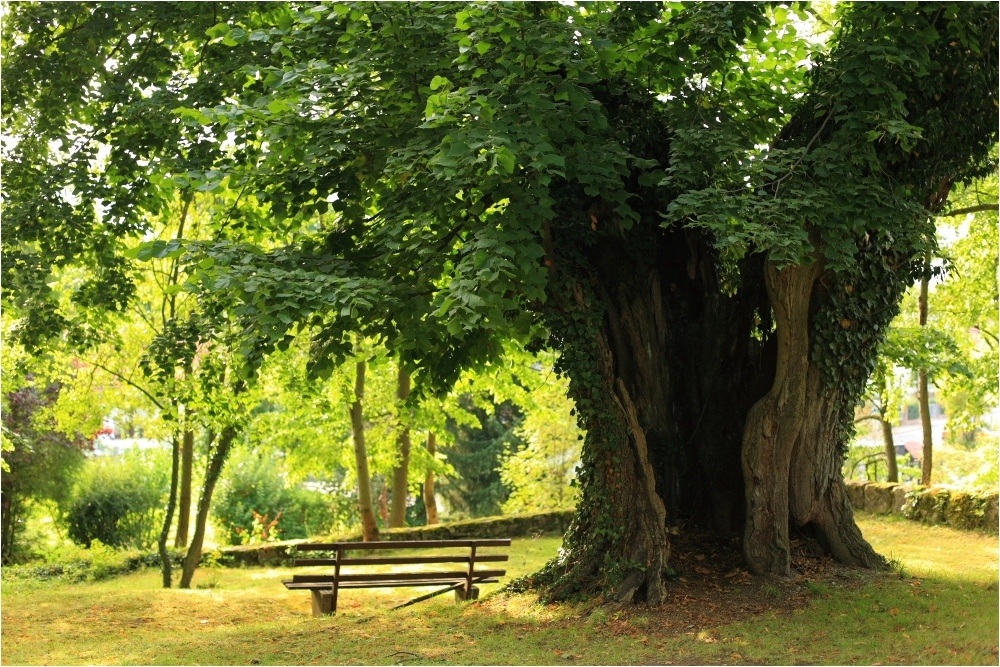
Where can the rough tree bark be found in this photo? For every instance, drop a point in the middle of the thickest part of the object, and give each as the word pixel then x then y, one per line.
pixel 430 502
pixel 817 498
pixel 369 527
pixel 662 385
pixel 397 514
pixel 775 422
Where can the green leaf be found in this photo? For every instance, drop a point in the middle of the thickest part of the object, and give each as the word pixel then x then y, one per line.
pixel 278 105
pixel 218 30
pixel 439 81
pixel 506 160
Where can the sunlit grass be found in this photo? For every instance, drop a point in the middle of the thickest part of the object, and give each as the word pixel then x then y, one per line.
pixel 947 615
pixel 933 551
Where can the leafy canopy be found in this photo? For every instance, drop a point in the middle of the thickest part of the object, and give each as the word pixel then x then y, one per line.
pixel 393 169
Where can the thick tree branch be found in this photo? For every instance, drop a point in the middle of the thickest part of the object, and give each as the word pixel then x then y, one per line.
pixel 866 417
pixel 970 209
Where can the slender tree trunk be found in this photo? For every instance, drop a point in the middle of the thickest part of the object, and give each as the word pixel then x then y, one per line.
pixel 165 566
pixel 923 397
pixel 186 469
pixel 774 424
pixel 383 500
pixel 397 514
pixel 892 474
pixel 369 527
pixel 10 504
pixel 430 502
pixel 168 312
pixel 212 474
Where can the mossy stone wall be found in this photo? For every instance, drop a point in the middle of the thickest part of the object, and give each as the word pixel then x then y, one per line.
pixel 523 525
pixel 958 509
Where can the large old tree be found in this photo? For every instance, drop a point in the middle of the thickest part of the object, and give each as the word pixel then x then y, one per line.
pixel 710 209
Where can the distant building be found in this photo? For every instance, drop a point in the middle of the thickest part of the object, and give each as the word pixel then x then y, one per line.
pixel 112 439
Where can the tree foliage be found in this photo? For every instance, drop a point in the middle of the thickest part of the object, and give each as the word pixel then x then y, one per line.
pixel 40 461
pixel 119 500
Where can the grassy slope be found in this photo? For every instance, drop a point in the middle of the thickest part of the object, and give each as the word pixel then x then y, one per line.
pixel 945 611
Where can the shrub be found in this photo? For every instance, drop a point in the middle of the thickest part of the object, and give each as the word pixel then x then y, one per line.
pixel 75 563
pixel 119 500
pixel 256 503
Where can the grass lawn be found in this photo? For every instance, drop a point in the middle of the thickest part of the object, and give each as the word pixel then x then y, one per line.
pixel 942 610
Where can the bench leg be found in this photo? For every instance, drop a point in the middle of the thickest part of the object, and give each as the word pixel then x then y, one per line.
pixel 460 594
pixel 322 602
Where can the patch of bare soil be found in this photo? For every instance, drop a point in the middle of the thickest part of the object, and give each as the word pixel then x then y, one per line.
pixel 711 587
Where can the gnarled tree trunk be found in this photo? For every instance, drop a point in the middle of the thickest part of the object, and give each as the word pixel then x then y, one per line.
pixel 662 386
pixel 774 424
pixel 817 498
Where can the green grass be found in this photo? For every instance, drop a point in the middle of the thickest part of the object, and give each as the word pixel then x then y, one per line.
pixel 943 610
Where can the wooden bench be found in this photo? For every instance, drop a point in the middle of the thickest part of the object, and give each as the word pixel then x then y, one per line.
pixel 324 587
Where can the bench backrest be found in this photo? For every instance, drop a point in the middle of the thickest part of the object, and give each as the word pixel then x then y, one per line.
pixel 471 558
pixel 403 544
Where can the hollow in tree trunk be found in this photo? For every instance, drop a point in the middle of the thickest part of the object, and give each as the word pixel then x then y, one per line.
pixel 369 527
pixel 664 381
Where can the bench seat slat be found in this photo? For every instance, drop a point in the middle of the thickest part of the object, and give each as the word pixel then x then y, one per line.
pixel 395 576
pixel 401 560
pixel 403 544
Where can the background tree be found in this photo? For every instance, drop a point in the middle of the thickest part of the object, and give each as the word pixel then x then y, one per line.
pixel 885 394
pixel 965 305
pixel 40 462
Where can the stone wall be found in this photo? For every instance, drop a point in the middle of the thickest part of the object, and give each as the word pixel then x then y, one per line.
pixel 958 509
pixel 523 525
